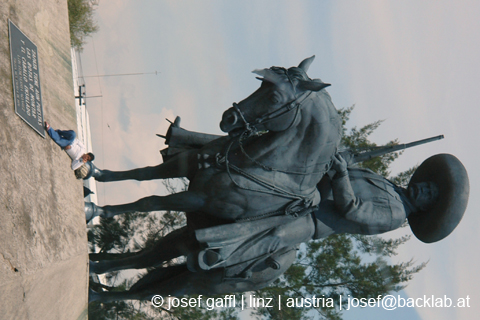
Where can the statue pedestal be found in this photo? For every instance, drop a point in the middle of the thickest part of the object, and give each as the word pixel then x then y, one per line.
pixel 43 240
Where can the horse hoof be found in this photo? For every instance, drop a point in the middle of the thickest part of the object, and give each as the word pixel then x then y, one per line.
pixel 93 266
pixel 97 173
pixel 92 211
pixel 93 296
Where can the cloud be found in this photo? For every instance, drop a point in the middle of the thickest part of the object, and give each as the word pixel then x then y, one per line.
pixel 412 64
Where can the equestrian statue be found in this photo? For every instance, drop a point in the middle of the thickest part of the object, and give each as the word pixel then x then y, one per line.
pixel 259 192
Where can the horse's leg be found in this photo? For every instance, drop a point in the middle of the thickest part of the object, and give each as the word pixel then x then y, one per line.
pixel 182 165
pixel 174 244
pixel 173 281
pixel 186 201
pixel 107 296
pixel 163 281
pixel 110 256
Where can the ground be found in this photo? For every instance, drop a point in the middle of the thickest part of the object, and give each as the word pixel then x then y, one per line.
pixel 43 242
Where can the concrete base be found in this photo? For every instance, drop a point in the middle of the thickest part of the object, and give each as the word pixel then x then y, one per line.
pixel 43 242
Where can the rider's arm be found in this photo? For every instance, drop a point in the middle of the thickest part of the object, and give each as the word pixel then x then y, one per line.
pixel 376 212
pixel 343 196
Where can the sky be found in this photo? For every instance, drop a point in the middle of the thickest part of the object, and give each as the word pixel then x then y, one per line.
pixel 412 64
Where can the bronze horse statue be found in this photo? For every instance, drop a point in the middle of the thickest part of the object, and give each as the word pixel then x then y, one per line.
pixel 280 144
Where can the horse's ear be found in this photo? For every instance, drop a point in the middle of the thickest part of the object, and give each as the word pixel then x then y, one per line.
pixel 305 64
pixel 312 85
pixel 268 75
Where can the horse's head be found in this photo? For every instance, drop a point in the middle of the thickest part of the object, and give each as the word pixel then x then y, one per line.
pixel 275 105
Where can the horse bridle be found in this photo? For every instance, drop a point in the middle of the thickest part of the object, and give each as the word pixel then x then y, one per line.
pixel 251 127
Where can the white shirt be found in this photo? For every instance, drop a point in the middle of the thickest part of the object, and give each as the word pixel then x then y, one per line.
pixel 76 152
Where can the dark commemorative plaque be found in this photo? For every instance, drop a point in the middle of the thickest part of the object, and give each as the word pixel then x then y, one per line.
pixel 26 79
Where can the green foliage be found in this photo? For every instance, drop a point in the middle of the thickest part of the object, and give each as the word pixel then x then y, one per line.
pixel 336 266
pixel 115 233
pixel 403 178
pixel 82 24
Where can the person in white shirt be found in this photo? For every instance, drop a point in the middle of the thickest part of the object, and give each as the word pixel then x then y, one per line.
pixel 67 140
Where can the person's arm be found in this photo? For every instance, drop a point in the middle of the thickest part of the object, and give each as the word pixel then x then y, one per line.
pixel 377 214
pixel 343 196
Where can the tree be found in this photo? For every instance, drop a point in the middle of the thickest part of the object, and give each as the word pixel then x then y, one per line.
pixel 344 264
pixel 82 24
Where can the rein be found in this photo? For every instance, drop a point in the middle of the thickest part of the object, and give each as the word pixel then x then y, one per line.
pixel 251 128
pixel 298 199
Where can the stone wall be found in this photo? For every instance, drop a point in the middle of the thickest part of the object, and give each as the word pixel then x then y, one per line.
pixel 43 242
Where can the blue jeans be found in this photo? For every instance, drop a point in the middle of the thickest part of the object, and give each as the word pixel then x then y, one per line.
pixel 62 137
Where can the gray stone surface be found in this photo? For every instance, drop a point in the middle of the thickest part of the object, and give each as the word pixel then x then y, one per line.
pixel 43 243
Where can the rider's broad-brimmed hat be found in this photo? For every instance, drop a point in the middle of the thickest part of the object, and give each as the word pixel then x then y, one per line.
pixel 449 174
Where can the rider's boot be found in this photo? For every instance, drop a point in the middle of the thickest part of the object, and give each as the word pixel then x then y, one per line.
pixel 93 296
